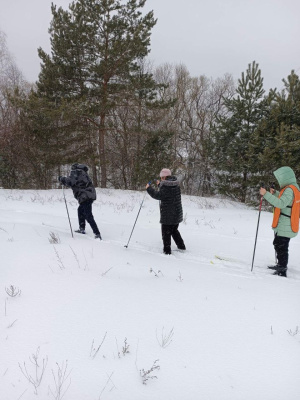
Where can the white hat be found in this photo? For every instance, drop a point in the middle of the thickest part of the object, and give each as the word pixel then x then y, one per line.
pixel 165 172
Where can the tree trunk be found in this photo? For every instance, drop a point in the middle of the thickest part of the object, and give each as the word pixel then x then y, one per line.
pixel 102 152
pixel 95 177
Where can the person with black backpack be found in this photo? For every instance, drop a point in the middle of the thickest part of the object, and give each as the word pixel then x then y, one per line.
pixel 85 193
pixel 171 213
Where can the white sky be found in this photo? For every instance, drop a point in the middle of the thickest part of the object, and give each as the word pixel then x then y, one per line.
pixel 211 37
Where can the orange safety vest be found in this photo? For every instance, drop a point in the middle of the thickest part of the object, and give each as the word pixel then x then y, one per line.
pixel 295 213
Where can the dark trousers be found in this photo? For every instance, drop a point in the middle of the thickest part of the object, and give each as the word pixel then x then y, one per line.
pixel 281 246
pixel 168 231
pixel 85 214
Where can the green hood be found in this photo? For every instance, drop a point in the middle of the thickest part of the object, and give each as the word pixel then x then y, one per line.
pixel 285 176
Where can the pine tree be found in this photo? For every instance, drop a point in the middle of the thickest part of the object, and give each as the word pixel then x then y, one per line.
pixel 95 48
pixel 235 160
pixel 282 129
pixel 48 138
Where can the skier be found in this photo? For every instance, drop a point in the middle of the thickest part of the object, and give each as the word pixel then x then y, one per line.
pixel 286 215
pixel 85 193
pixel 171 213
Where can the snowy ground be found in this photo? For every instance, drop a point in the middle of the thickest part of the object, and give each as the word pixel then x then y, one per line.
pixel 104 319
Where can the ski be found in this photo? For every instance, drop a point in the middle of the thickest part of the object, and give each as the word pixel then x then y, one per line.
pixel 225 258
pixel 79 234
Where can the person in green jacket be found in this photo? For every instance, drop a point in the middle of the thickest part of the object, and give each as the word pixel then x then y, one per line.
pixel 283 231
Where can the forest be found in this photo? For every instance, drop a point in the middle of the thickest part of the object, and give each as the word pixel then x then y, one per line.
pixel 99 100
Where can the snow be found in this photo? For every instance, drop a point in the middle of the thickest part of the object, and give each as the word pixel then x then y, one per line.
pixel 231 334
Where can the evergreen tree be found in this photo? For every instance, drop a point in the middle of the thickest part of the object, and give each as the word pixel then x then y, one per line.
pixel 155 155
pixel 95 48
pixel 235 160
pixel 282 129
pixel 49 138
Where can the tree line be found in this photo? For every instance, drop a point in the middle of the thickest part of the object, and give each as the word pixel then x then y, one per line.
pixel 98 100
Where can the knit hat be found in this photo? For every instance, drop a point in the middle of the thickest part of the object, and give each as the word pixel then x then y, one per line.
pixel 165 172
pixel 79 166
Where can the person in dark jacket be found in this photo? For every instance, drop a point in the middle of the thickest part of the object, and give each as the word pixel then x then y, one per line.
pixel 171 214
pixel 85 193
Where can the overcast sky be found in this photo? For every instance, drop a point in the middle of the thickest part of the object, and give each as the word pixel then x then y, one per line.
pixel 211 37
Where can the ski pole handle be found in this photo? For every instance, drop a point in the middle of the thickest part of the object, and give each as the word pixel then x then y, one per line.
pixel 261 197
pixel 260 204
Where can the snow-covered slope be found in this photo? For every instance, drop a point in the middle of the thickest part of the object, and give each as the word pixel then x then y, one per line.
pixel 96 321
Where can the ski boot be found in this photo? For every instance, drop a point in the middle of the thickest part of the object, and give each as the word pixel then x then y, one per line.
pixel 280 272
pixel 80 230
pixel 274 267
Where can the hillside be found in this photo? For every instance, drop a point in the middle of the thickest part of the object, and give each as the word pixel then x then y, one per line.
pixel 110 323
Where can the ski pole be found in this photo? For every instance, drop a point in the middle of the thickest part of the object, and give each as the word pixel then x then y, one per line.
pixel 136 219
pixel 67 211
pixel 273 187
pixel 261 199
